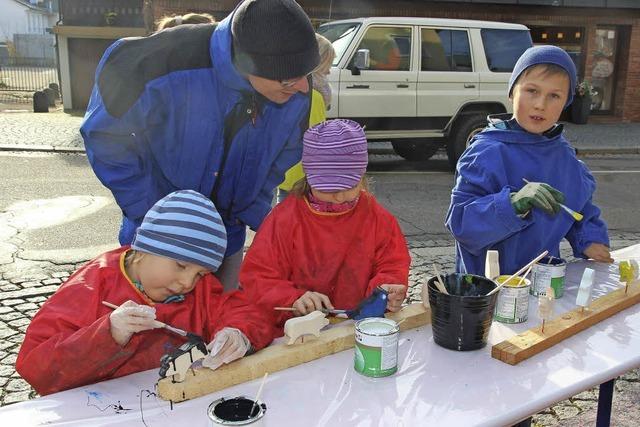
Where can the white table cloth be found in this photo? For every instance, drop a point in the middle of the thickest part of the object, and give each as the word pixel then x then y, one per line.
pixel 433 386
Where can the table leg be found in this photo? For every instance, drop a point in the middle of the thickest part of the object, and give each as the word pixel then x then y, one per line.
pixel 605 399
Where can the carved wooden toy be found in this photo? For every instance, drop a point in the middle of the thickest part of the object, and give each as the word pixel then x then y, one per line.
pixel 310 324
pixel 586 285
pixel 629 272
pixel 492 265
pixel 546 304
pixel 176 363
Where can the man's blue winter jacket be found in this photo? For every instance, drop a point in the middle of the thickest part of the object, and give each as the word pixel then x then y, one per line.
pixel 481 216
pixel 155 124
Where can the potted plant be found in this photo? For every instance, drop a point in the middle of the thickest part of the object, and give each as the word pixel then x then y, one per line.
pixel 581 105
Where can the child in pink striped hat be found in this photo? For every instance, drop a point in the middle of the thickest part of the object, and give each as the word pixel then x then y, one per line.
pixel 331 244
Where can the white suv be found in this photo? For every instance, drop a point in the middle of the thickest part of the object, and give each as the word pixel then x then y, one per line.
pixel 421 82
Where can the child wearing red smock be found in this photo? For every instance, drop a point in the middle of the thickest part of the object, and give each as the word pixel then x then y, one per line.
pixel 330 243
pixel 164 276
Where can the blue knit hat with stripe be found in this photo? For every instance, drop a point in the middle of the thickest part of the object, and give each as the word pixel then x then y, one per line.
pixel 185 226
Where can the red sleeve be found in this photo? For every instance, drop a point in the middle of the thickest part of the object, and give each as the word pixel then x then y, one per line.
pixel 68 342
pixel 233 309
pixel 266 268
pixel 392 257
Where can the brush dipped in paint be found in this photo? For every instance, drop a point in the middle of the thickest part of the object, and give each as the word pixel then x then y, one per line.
pixel 255 401
pixel 576 215
pixel 158 323
pixel 438 282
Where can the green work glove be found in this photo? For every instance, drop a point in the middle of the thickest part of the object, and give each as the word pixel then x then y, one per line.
pixel 539 195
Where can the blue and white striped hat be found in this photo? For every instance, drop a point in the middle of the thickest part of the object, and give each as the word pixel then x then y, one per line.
pixel 185 226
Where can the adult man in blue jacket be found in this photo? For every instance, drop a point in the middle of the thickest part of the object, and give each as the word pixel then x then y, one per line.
pixel 219 110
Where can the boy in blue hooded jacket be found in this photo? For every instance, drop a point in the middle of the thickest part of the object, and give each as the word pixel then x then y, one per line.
pixel 512 178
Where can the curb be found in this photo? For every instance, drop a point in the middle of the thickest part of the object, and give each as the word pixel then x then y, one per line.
pixel 50 148
pixel 40 148
pixel 607 150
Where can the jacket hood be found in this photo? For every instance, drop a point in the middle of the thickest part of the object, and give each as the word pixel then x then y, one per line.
pixel 221 56
pixel 505 128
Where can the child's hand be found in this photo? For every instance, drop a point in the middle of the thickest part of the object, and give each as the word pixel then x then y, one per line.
pixel 130 318
pixel 598 252
pixel 228 345
pixel 539 195
pixel 396 296
pixel 311 301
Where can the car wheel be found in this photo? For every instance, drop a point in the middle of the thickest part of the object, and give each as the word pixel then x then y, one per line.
pixel 416 149
pixel 463 132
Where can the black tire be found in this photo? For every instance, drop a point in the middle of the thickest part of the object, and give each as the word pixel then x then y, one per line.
pixel 463 131
pixel 416 149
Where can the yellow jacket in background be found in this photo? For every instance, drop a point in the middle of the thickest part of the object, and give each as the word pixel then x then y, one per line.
pixel 317 115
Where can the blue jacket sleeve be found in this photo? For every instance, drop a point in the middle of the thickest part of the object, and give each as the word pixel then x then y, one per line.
pixel 480 213
pixel 119 153
pixel 590 230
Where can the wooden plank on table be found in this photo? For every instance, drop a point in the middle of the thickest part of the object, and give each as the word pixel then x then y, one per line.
pixel 529 343
pixel 278 357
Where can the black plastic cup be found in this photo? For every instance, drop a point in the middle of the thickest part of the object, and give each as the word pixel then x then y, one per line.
pixel 462 319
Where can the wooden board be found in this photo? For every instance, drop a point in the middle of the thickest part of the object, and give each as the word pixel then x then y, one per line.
pixel 278 357
pixel 531 342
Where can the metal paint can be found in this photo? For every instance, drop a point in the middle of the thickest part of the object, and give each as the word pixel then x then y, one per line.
pixel 236 411
pixel 513 300
pixel 376 349
pixel 549 272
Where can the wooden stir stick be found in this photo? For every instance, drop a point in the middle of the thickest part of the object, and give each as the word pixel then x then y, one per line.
pixel 530 264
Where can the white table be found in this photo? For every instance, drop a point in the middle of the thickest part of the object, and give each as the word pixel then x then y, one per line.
pixel 434 386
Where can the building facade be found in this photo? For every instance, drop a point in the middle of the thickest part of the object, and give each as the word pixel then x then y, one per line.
pixel 600 35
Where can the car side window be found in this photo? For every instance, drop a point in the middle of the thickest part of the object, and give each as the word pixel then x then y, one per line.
pixel 389 48
pixel 445 50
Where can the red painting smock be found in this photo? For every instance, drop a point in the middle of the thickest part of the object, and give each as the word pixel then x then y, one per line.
pixel 342 255
pixel 69 343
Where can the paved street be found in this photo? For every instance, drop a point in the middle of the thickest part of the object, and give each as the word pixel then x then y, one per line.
pixel 55 215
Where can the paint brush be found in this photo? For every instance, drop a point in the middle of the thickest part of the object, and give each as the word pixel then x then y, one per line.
pixel 255 401
pixel 158 323
pixel 524 276
pixel 576 215
pixel 533 261
pixel 439 283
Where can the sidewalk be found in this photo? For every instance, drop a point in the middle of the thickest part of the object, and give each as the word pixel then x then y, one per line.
pixel 58 131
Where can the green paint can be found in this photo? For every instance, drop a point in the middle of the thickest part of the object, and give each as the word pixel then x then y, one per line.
pixel 549 272
pixel 376 350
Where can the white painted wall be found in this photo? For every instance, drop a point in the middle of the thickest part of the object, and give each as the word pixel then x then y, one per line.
pixel 20 19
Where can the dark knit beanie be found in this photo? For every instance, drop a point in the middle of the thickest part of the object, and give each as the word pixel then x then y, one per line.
pixel 273 39
pixel 545 55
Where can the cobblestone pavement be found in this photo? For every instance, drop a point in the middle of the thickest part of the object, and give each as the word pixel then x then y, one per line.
pixel 43 130
pixel 25 285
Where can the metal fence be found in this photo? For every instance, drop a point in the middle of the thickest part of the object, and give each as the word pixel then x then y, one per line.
pixel 21 77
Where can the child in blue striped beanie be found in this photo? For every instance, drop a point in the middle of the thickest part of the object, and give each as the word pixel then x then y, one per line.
pixel 164 276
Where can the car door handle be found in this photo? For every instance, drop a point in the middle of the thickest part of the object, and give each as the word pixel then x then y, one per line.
pixel 469 85
pixel 358 87
pixel 402 85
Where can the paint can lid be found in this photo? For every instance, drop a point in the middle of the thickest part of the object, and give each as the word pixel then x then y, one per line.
pixel 377 326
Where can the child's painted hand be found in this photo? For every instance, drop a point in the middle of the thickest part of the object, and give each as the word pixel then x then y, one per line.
pixel 311 301
pixel 539 195
pixel 397 294
pixel 130 318
pixel 228 345
pixel 598 252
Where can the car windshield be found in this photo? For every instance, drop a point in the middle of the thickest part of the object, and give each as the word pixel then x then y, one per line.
pixel 340 35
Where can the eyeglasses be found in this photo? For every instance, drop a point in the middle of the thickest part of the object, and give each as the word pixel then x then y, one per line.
pixel 293 82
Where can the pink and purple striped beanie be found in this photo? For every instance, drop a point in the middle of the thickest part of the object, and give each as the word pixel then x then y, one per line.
pixel 334 155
